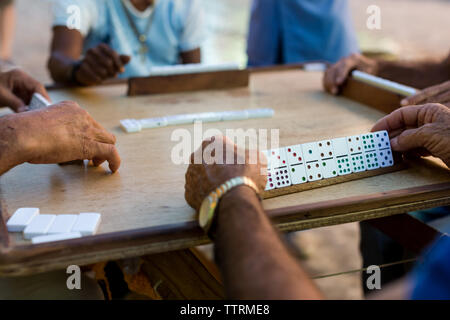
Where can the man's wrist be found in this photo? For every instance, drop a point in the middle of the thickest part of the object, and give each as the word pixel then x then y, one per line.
pixel 238 196
pixel 12 152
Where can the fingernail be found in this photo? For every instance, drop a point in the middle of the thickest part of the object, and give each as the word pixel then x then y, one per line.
pixel 404 102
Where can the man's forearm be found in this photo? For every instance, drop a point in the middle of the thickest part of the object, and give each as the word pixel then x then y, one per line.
pixel 254 261
pixel 61 67
pixel 420 75
pixel 9 144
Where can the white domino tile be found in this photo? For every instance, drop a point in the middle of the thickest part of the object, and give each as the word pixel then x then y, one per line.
pixel 368 141
pixel 294 154
pixel 38 101
pixel 56 237
pixel 313 171
pixel 382 140
pixel 153 123
pixel 354 144
pixel 329 168
pixel 357 162
pixel 21 218
pixel 277 158
pixel 310 151
pixel 343 165
pixel 385 158
pixel 87 223
pixel 63 223
pixel 325 149
pixel 297 173
pixel 340 147
pixel 372 160
pixel 130 125
pixel 39 225
pixel 281 178
pixel 270 180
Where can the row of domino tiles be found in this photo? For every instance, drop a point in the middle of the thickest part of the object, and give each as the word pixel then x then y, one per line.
pixel 134 125
pixel 328 158
pixel 42 228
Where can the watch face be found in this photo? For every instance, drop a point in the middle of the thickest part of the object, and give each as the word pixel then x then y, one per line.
pixel 207 211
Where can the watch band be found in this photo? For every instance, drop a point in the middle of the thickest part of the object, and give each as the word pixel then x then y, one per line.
pixel 209 204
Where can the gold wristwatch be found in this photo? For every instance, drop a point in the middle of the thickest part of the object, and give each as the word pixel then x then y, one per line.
pixel 209 204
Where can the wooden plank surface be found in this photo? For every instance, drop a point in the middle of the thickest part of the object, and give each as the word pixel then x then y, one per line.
pixel 143 204
pixel 217 80
pixel 378 98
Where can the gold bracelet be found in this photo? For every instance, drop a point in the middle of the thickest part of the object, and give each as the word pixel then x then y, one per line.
pixel 209 204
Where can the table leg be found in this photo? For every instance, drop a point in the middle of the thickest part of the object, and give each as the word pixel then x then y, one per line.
pixel 183 274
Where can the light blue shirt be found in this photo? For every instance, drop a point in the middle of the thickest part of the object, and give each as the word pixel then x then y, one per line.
pixel 289 31
pixel 177 26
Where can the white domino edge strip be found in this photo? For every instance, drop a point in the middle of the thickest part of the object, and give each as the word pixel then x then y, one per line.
pixel 133 125
pixel 56 237
pixel 192 68
pixel 21 218
pixel 383 83
pixel 87 223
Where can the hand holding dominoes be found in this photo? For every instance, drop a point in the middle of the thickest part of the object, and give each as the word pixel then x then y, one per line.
pixel 336 74
pixel 100 63
pixel 17 89
pixel 60 133
pixel 202 176
pixel 419 128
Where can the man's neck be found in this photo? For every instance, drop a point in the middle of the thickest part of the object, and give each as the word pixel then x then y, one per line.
pixel 142 5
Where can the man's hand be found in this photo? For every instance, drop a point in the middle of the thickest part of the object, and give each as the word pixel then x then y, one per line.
pixel 60 133
pixel 203 178
pixel 439 94
pixel 17 88
pixel 100 63
pixel 337 74
pixel 419 128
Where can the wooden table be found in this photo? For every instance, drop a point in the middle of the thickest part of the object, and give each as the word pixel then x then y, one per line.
pixel 143 207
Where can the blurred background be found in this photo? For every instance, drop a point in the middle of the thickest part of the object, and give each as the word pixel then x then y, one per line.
pixel 409 29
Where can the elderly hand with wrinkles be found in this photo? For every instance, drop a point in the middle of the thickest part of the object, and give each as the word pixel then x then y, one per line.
pixel 60 133
pixel 424 129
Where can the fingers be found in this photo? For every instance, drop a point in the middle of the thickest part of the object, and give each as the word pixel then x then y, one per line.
pixel 86 75
pixel 337 74
pixel 100 152
pixel 9 99
pixel 410 139
pixel 100 64
pixel 103 136
pixel 112 56
pixel 399 119
pixel 428 95
pixel 329 80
